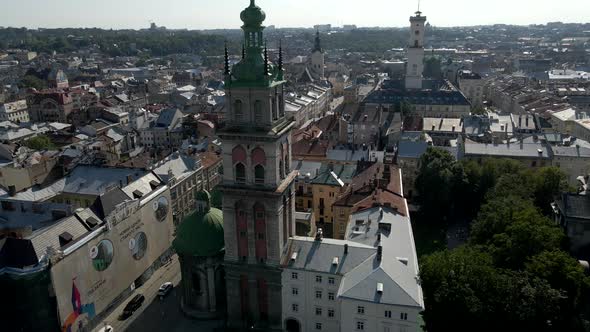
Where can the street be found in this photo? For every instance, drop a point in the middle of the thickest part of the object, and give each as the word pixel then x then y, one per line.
pixel 156 314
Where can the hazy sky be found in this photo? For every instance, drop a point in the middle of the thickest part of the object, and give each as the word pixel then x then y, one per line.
pixel 208 14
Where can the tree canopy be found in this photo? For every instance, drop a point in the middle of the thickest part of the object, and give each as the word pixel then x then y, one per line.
pixel 514 272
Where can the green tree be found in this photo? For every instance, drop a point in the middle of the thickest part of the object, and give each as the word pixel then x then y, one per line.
pixel 548 183
pixel 465 283
pixel 432 67
pixel 434 182
pixel 31 81
pixel 40 142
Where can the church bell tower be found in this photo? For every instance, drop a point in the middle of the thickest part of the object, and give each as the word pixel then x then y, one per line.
pixel 257 186
pixel 318 58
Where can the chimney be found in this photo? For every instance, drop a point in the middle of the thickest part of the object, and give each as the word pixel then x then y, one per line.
pixel 346 248
pixel 12 190
pixel 540 152
pixel 379 253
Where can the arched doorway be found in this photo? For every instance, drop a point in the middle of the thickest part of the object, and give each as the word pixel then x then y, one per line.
pixel 292 325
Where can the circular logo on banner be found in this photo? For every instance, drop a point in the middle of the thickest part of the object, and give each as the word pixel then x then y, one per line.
pixel 131 243
pixel 93 252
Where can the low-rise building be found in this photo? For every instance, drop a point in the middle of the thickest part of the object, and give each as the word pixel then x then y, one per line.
pixel 367 282
pixel 16 111
pixel 77 267
pixel 572 213
pixel 165 132
pixel 530 154
pixel 572 160
pixel 184 176
pixel 472 86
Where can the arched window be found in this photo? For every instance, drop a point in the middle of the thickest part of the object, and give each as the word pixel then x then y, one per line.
pixel 258 111
pixel 281 164
pixel 240 173
pixel 242 231
pixel 238 111
pixel 281 105
pixel 260 230
pixel 258 156
pixel 285 152
pixel 259 174
pixel 286 165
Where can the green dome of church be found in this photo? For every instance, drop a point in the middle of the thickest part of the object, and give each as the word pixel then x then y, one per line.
pixel 201 233
pixel 253 16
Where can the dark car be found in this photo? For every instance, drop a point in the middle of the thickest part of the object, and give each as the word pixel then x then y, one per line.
pixel 133 305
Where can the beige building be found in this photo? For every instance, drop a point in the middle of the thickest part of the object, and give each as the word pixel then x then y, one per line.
pixel 184 176
pixel 89 260
pixel 472 86
pixel 34 170
pixel 574 161
pixel 327 187
pixel 16 111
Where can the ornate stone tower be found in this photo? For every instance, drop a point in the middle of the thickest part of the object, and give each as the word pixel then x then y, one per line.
pixel 317 58
pixel 258 195
pixel 415 52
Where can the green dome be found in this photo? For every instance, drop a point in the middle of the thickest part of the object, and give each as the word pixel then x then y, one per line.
pixel 200 234
pixel 253 16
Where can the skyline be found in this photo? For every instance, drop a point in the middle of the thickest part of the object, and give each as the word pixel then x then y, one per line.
pixel 224 14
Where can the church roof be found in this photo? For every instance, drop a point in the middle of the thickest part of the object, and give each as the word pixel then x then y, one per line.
pixel 433 92
pixel 201 234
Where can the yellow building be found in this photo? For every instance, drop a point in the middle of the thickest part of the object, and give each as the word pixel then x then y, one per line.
pixel 331 183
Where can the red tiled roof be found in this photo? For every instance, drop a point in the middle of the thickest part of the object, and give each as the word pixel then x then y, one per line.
pixel 309 147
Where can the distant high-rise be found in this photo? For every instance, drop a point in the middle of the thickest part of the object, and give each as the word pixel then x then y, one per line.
pixel 415 52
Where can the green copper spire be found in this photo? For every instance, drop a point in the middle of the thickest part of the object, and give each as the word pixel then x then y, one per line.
pixel 226 70
pixel 318 45
pixel 280 62
pixel 253 16
pixel 255 68
pixel 265 59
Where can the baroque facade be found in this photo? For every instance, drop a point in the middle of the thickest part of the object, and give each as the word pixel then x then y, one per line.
pixel 257 186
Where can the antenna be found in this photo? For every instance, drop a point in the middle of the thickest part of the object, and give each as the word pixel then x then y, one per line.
pixel 418 5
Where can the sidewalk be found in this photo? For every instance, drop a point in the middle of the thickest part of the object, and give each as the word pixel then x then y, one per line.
pixel 149 289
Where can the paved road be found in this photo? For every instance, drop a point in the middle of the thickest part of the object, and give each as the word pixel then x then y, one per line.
pixel 149 289
pixel 159 315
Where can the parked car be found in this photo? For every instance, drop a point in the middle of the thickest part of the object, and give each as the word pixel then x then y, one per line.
pixel 165 289
pixel 106 328
pixel 132 306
